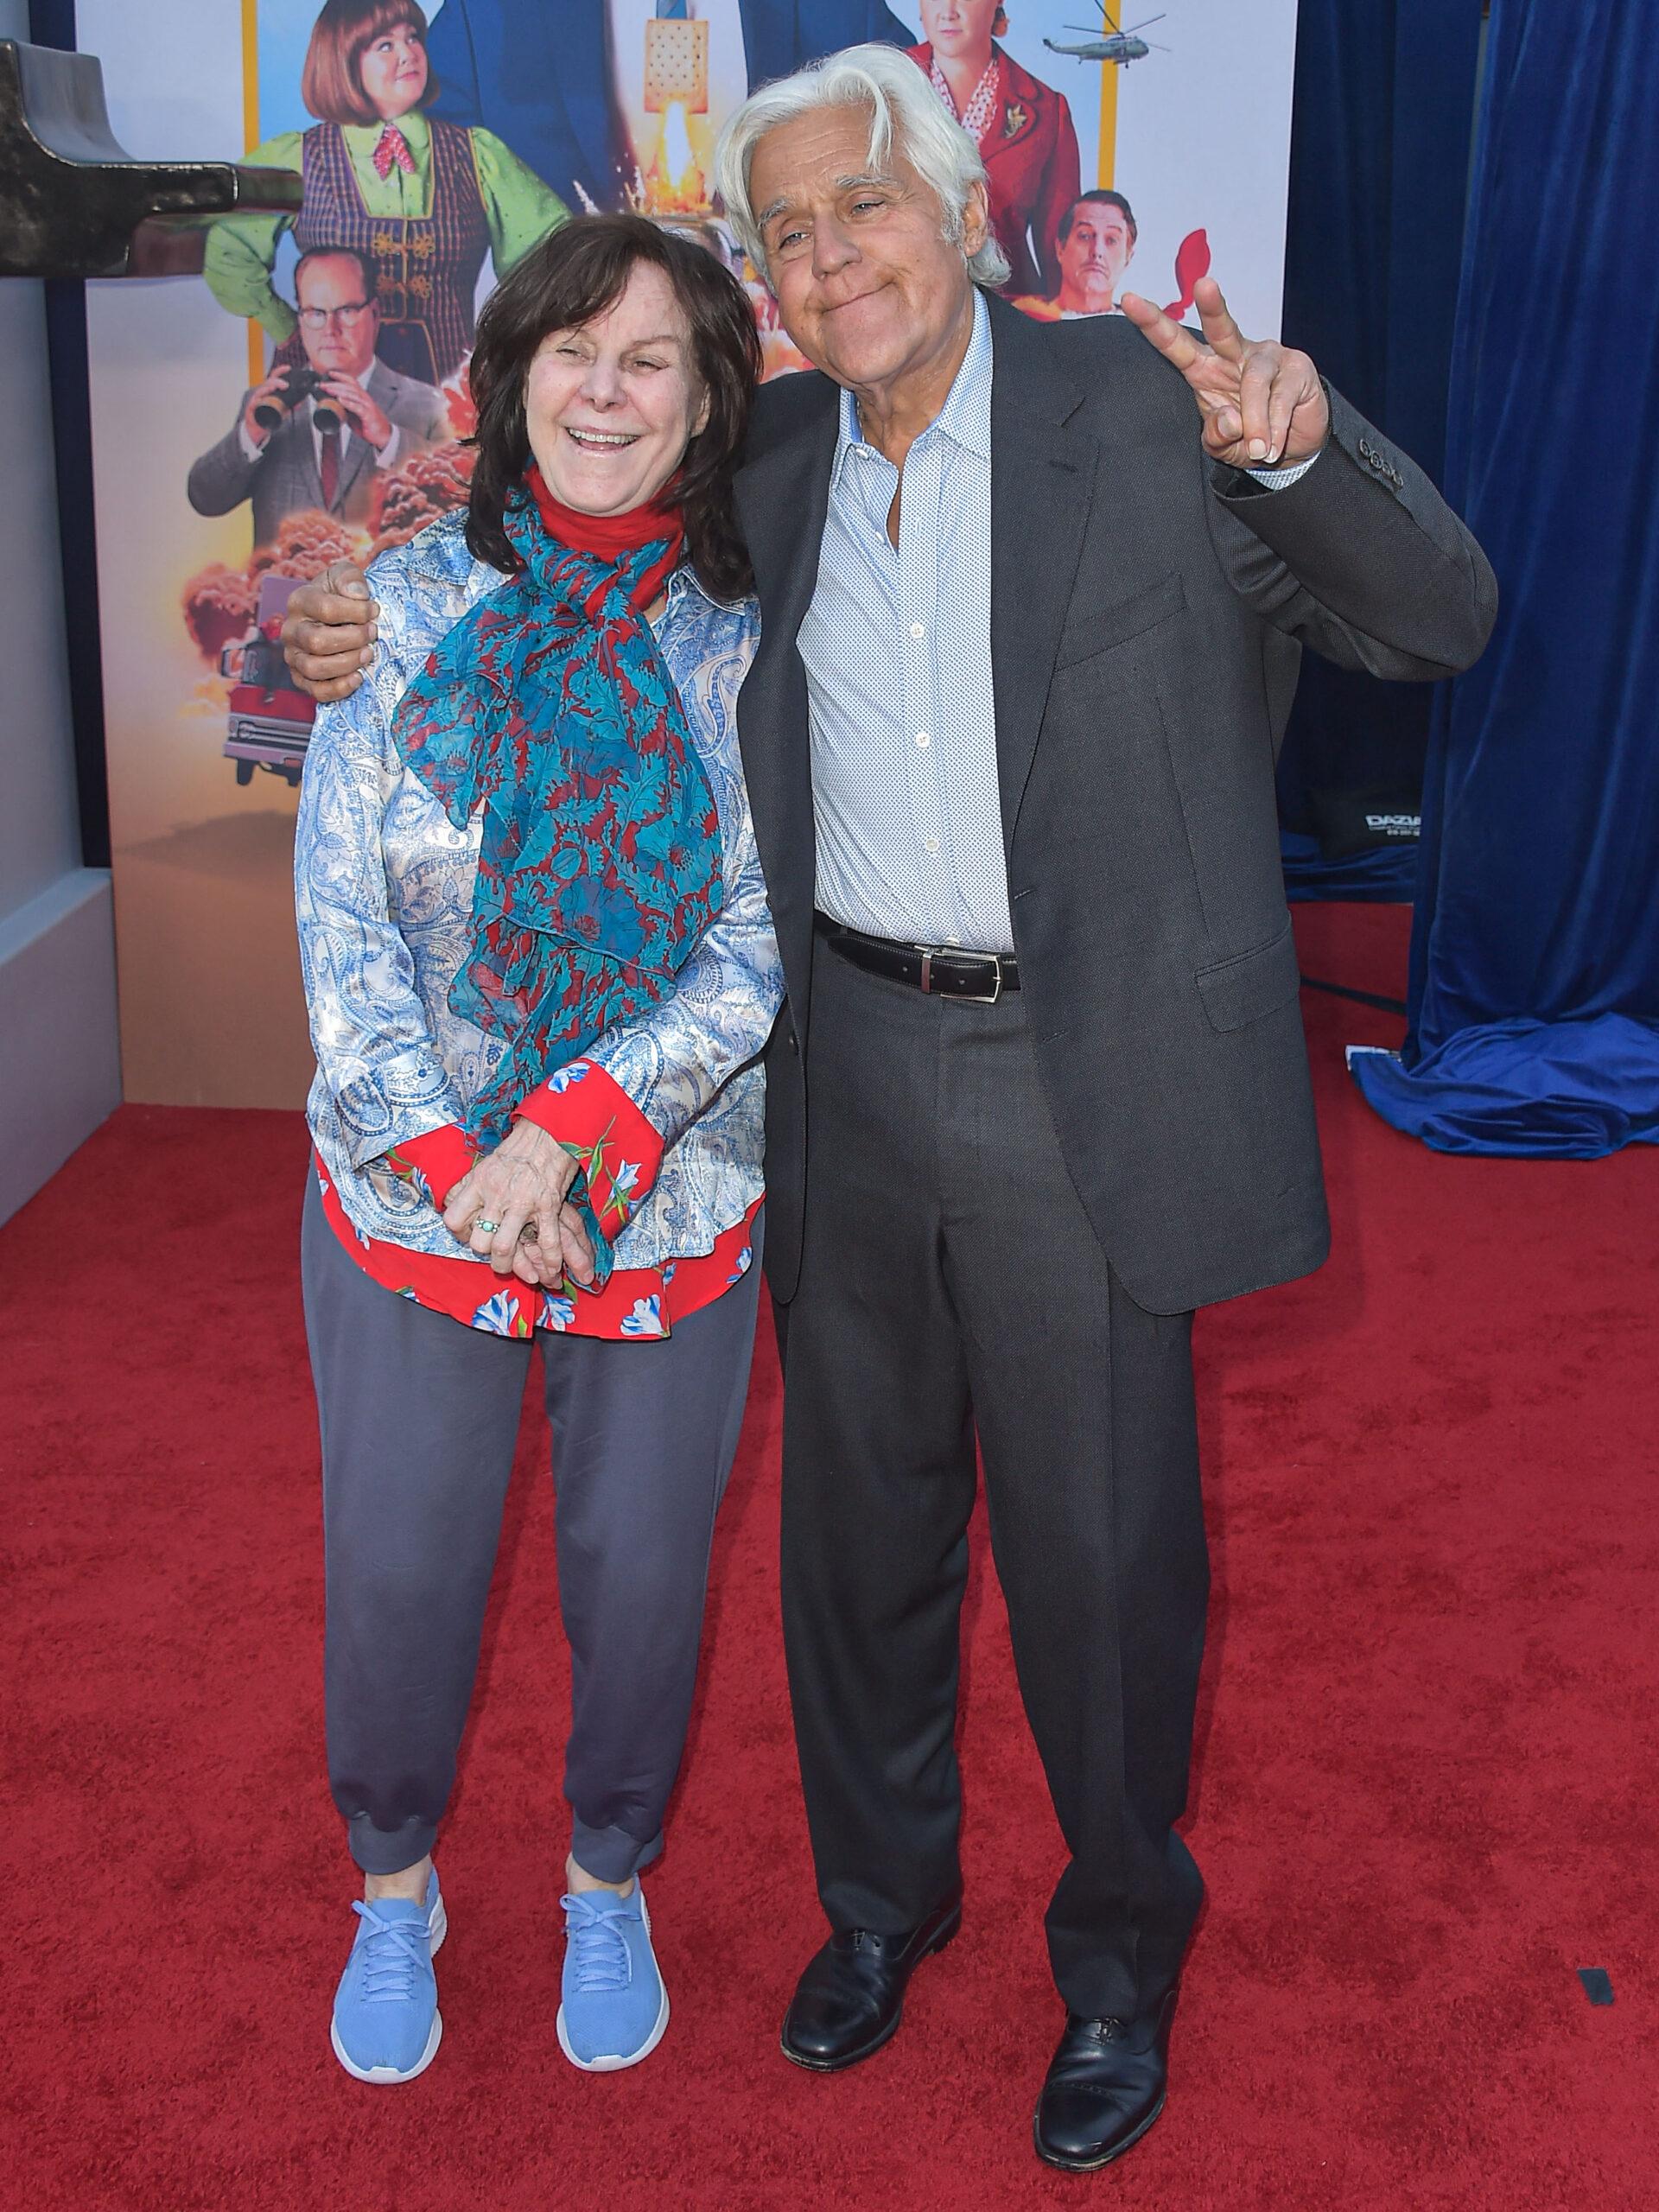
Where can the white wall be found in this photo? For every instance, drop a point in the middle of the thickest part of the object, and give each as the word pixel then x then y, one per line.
pixel 60 1066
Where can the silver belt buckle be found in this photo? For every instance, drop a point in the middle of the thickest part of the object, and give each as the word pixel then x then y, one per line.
pixel 990 997
pixel 968 998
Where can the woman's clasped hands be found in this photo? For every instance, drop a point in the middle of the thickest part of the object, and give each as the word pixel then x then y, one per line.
pixel 512 1209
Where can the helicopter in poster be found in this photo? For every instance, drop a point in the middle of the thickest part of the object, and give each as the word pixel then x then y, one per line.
pixel 1113 45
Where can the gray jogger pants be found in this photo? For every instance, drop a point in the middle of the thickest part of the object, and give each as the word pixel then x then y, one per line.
pixel 419 1417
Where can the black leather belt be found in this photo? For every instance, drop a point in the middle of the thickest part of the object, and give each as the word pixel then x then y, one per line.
pixel 943 970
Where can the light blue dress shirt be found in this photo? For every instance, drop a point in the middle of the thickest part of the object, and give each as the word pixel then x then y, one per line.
pixel 897 645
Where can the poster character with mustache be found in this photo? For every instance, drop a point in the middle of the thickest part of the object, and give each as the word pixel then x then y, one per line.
pixel 1095 245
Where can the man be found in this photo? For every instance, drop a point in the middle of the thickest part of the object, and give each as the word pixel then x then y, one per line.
pixel 564 85
pixel 358 418
pixel 1096 242
pixel 1039 1087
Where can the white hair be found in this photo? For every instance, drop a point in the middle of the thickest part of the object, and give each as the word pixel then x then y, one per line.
pixel 905 112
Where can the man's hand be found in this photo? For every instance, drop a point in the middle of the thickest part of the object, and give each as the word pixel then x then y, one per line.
pixel 519 1188
pixel 373 423
pixel 1263 405
pixel 273 391
pixel 328 632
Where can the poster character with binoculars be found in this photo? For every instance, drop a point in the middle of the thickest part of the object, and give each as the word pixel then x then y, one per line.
pixel 317 434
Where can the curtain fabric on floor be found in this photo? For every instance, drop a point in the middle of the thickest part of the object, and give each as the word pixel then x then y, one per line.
pixel 1379 169
pixel 1384 875
pixel 1535 988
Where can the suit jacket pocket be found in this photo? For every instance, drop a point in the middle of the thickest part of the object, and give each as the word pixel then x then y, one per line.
pixel 1099 630
pixel 1251 984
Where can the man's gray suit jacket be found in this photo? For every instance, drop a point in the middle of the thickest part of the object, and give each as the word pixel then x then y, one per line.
pixel 1148 610
pixel 285 476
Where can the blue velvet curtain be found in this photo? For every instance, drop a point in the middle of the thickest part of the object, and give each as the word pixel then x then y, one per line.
pixel 1535 988
pixel 1381 123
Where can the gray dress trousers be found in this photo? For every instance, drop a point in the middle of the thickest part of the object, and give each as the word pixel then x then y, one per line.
pixel 419 1417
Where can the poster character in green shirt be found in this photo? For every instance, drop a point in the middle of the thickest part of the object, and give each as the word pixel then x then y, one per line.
pixel 425 201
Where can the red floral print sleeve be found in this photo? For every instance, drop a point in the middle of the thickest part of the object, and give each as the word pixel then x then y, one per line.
pixel 435 1163
pixel 589 1114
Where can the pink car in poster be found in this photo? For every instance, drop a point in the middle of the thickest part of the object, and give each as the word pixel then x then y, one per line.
pixel 269 723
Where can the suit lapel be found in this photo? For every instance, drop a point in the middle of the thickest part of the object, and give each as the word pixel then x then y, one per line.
pixel 782 500
pixel 1042 488
pixel 1021 97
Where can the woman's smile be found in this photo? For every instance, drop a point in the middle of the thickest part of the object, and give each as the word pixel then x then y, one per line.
pixel 632 365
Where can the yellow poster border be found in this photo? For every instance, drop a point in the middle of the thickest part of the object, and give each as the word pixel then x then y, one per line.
pixel 250 140
pixel 1109 73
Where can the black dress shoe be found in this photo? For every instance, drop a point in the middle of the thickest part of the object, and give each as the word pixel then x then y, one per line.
pixel 851 1998
pixel 1105 2088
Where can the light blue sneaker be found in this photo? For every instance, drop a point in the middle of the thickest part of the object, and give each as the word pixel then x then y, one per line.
pixel 615 2008
pixel 386 2025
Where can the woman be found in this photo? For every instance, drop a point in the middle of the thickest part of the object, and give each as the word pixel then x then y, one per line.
pixel 539 967
pixel 423 202
pixel 1022 126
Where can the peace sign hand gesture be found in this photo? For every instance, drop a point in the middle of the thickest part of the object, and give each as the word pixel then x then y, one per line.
pixel 1262 405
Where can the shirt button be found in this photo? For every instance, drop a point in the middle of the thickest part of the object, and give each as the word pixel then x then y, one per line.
pixel 917 631
pixel 923 740
pixel 930 844
pixel 953 940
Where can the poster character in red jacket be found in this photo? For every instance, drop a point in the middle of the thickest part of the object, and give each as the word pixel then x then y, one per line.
pixel 1023 129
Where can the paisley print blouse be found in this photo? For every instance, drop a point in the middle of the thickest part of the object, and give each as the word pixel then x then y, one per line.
pixel 666 1110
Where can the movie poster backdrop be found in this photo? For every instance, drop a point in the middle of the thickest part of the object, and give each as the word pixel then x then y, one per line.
pixel 308 396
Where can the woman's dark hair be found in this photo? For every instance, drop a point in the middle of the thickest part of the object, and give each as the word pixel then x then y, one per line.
pixel 331 86
pixel 577 272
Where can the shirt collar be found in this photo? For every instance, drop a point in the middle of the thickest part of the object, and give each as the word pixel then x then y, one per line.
pixel 415 127
pixel 685 581
pixel 965 417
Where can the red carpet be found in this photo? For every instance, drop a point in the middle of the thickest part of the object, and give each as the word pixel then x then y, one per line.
pixel 1424 1793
